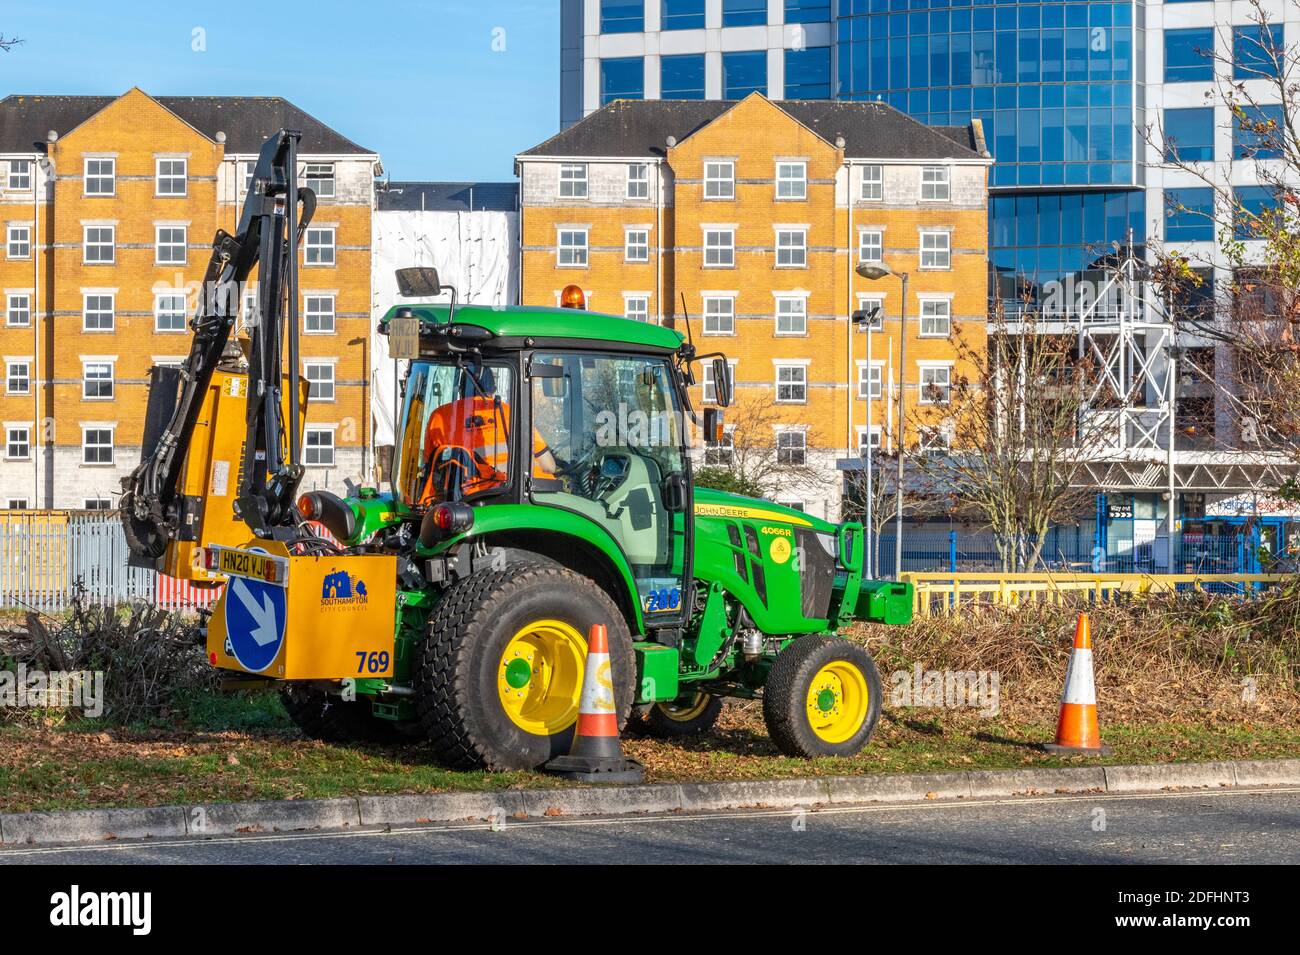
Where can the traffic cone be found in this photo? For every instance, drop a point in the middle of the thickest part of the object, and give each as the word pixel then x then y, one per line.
pixel 1076 729
pixel 596 755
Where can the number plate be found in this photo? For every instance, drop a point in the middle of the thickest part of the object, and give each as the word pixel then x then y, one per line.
pixel 250 565
pixel 404 338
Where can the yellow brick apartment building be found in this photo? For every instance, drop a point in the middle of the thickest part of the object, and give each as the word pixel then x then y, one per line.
pixel 751 217
pixel 109 206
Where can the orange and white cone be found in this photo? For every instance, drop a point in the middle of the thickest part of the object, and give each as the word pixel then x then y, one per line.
pixel 1076 728
pixel 596 755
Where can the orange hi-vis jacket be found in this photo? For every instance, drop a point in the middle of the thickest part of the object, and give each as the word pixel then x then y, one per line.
pixel 479 428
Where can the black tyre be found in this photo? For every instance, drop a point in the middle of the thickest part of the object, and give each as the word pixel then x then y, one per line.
pixel 691 714
pixel 333 720
pixel 822 698
pixel 499 677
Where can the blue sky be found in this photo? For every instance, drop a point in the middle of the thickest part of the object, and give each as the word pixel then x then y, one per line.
pixel 419 82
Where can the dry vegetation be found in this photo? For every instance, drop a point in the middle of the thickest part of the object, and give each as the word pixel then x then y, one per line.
pixel 1179 679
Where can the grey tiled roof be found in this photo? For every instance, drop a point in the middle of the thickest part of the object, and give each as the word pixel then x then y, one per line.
pixel 246 120
pixel 871 130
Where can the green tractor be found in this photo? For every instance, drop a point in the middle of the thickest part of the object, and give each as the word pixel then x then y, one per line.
pixel 577 507
pixel 540 484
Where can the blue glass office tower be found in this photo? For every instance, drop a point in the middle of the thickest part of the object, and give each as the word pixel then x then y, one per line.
pixel 1059 88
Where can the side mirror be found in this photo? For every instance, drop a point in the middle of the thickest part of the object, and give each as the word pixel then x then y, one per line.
pixel 418 282
pixel 714 427
pixel 721 383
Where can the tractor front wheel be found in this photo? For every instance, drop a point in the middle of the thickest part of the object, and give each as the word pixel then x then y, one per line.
pixel 499 677
pixel 822 698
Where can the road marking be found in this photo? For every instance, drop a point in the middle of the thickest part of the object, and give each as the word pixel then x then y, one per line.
pixel 820 809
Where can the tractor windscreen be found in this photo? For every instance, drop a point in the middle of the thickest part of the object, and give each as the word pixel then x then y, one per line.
pixel 455 440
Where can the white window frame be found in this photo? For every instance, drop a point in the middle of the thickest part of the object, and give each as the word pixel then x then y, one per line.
pixel 16 229
pixel 797 328
pixel 722 454
pixel 708 395
pixel 26 309
pixel 641 314
pixel 940 256
pixel 244 170
pixel 936 183
pixel 797 254
pixel 720 179
pixel 320 177
pixel 801 449
pixel 96 504
pixel 87 245
pixel 791 180
pixel 158 311
pixel 923 387
pixel 874 436
pixel 641 247
pixel 86 379
pixel 86 310
pixel 724 252
pixel 873 183
pixel 19 181
pixel 878 245
pixel 12 374
pixel 326 254
pixel 307 448
pixel 162 181
pixel 170 246
pixel 327 383
pixel 936 329
pixel 87 178
pixel 944 435
pixel 638 180
pixel 310 315
pixel 718 321
pixel 791 383
pixel 86 447
pixel 579 254
pixel 866 299
pixel 572 182
pixel 25 430
pixel 871 379
pixel 16 504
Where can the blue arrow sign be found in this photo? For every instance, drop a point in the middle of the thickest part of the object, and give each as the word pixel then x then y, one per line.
pixel 256 613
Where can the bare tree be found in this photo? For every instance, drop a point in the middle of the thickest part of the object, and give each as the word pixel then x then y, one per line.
pixel 1007 445
pixel 884 499
pixel 752 461
pixel 7 43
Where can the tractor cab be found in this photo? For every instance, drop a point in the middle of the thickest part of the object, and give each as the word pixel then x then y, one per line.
pixel 558 408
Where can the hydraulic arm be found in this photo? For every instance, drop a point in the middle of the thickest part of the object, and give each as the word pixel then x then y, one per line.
pixel 154 511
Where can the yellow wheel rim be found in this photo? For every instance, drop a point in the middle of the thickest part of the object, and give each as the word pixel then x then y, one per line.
pixel 685 708
pixel 539 677
pixel 837 701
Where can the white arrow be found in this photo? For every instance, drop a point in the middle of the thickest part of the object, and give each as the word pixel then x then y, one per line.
pixel 264 616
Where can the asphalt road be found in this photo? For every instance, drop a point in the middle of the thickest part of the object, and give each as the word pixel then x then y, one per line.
pixel 1259 826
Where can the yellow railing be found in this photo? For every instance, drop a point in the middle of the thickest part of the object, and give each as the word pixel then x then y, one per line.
pixel 945 593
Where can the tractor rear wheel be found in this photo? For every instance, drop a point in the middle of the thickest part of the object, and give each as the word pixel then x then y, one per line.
pixel 499 677
pixel 822 698
pixel 332 720
pixel 691 714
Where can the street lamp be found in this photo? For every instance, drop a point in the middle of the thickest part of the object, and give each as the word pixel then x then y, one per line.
pixel 875 273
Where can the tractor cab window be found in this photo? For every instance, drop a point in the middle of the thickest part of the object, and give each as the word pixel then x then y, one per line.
pixel 455 440
pixel 613 425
